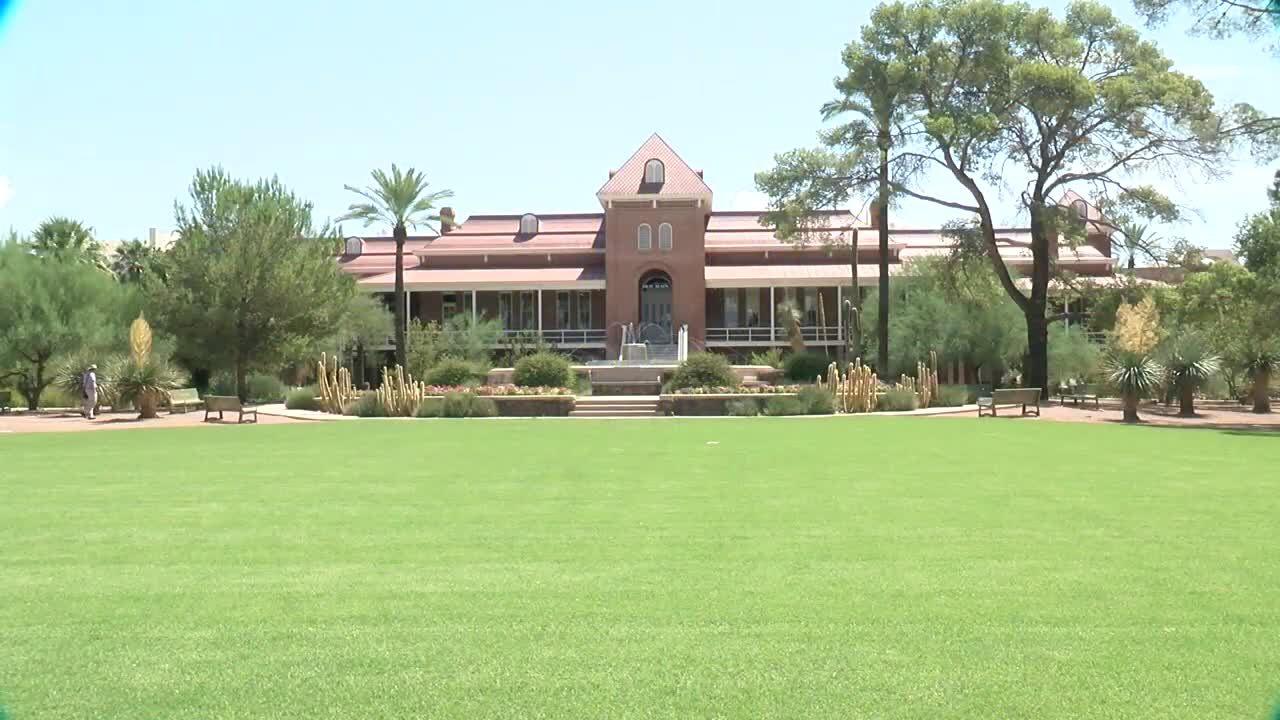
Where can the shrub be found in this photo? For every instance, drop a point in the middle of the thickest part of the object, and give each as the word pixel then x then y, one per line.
pixel 771 357
pixel 703 369
pixel 951 395
pixel 303 398
pixel 807 366
pixel 816 401
pixel 784 405
pixel 368 406
pixel 258 387
pixel 465 404
pixel 742 408
pixel 543 369
pixel 452 371
pixel 57 396
pixel 429 408
pixel 896 400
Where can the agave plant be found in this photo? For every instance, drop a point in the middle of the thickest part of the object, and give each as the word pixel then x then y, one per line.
pixel 1259 359
pixel 146 384
pixel 1134 375
pixel 1189 362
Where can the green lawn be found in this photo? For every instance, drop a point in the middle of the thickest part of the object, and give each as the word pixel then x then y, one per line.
pixel 832 568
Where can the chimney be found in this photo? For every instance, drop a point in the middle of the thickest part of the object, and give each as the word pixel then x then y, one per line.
pixel 612 173
pixel 446 220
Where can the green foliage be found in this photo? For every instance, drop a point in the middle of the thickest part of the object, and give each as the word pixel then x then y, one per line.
pixel 771 358
pixel 1188 359
pixel 68 240
pixel 816 400
pixel 49 308
pixel 1132 373
pixel 303 398
pixel 784 405
pixel 1258 238
pixel 453 371
pixel 259 387
pixel 1216 19
pixel 1072 357
pixel 424 348
pixel 896 400
pixel 368 406
pixel 742 408
pixel 251 276
pixel 156 376
pixel 543 369
pixel 431 407
pixel 807 366
pixel 465 404
pixel 951 395
pixel 134 261
pixel 954 307
pixel 702 369
pixel 470 339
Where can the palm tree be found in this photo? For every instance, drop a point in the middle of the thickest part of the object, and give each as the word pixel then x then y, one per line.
pixel 400 200
pixel 134 259
pixel 69 239
pixel 1136 238
pixel 1189 363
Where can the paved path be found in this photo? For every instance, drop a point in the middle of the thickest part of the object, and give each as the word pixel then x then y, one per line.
pixel 71 421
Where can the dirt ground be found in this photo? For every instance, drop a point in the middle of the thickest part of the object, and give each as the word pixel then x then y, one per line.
pixel 1209 414
pixel 72 422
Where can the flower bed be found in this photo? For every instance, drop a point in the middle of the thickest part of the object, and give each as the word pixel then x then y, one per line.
pixel 506 390
pixel 743 390
pixel 700 401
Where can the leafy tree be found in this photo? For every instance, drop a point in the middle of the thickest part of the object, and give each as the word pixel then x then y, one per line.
pixel 52 308
pixel 1072 356
pixel 1189 362
pixel 365 324
pixel 853 159
pixel 1005 91
pixel 134 261
pixel 1258 239
pixel 400 200
pixel 68 239
pixel 250 276
pixel 954 308
pixel 1216 18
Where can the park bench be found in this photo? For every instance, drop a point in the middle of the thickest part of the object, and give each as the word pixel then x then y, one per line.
pixel 225 403
pixel 1079 394
pixel 1028 398
pixel 183 398
pixel 6 397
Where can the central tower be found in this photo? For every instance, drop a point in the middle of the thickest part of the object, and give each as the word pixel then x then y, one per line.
pixel 655 209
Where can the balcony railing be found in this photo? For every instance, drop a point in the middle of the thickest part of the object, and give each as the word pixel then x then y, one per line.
pixel 830 334
pixel 569 337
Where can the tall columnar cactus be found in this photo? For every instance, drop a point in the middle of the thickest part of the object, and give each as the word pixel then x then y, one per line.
pixel 855 390
pixel 336 389
pixel 400 394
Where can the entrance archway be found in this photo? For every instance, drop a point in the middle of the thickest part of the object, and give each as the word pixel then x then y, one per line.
pixel 655 308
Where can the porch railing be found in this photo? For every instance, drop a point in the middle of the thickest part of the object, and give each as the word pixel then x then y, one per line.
pixel 746 335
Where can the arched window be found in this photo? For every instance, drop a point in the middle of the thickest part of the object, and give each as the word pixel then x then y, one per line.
pixel 353 246
pixel 529 224
pixel 654 173
pixel 644 237
pixel 1081 209
pixel 664 236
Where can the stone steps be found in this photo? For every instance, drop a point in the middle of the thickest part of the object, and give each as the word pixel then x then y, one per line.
pixel 616 406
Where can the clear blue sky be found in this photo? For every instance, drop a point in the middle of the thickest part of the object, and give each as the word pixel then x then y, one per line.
pixel 106 108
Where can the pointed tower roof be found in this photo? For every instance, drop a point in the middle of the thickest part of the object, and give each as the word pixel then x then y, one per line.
pixel 679 182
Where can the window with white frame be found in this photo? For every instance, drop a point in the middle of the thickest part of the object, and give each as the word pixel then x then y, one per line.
pixel 529 224
pixel 664 236
pixel 564 315
pixel 505 313
pixel 753 307
pixel 353 246
pixel 528 310
pixel 811 306
pixel 654 172
pixel 584 309
pixel 731 308
pixel 644 237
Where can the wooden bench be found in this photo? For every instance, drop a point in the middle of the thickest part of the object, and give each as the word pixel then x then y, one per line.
pixel 225 403
pixel 6 397
pixel 183 398
pixel 1028 398
pixel 1079 394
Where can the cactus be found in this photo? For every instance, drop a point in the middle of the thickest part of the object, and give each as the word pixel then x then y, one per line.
pixel 140 341
pixel 400 394
pixel 335 385
pixel 855 390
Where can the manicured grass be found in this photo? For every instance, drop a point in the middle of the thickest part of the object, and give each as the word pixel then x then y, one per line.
pixel 828 568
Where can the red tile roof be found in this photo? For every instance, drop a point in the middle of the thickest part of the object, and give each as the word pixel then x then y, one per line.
pixel 678 177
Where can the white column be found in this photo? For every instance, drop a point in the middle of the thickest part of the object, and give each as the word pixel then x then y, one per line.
pixel 839 313
pixel 539 313
pixel 475 313
pixel 773 316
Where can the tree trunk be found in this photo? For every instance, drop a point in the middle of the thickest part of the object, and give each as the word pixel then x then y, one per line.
pixel 882 221
pixel 1186 399
pixel 148 406
pixel 1035 371
pixel 1261 391
pixel 1131 407
pixel 359 362
pixel 242 378
pixel 401 235
pixel 853 327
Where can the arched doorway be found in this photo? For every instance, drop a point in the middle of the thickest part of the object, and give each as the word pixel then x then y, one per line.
pixel 655 308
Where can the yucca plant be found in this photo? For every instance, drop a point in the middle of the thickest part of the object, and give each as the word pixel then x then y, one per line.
pixel 1134 375
pixel 1189 362
pixel 1259 359
pixel 146 384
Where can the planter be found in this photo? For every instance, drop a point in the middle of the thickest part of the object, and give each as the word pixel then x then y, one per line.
pixel 533 405
pixel 705 405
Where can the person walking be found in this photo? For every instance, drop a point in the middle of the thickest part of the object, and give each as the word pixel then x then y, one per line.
pixel 89 389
